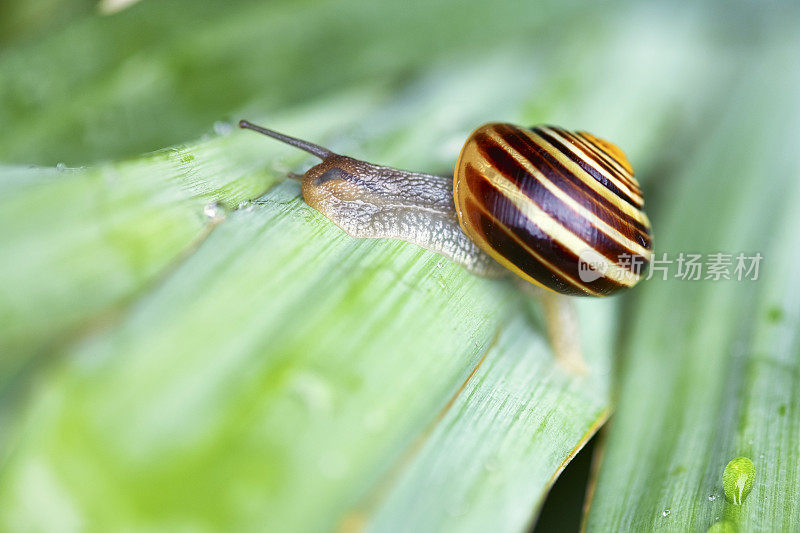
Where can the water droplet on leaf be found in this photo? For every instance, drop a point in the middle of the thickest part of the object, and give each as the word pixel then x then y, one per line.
pixel 313 391
pixel 737 479
pixel 775 314
pixel 722 527
pixel 222 128
pixel 666 512
pixel 214 210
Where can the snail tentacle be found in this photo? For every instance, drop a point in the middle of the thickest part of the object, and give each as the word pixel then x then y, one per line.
pixel 311 148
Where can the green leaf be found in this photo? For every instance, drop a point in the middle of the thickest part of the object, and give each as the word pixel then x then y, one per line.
pixel 162 72
pixel 305 365
pixel 265 370
pixel 87 241
pixel 90 241
pixel 712 367
pixel 286 374
pixel 496 451
pixel 186 346
pixel 262 362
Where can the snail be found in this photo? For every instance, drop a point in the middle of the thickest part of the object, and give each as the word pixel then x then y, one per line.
pixel 559 209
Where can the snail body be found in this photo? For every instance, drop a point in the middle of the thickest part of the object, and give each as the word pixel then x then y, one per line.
pixel 372 201
pixel 530 201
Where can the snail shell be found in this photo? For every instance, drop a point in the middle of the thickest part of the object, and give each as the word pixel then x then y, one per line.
pixel 545 203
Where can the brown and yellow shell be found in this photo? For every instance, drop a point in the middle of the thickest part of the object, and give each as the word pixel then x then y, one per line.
pixel 558 208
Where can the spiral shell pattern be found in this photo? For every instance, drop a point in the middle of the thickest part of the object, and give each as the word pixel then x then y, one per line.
pixel 558 208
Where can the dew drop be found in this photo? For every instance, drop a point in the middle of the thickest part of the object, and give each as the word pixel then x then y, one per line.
pixel 666 512
pixel 246 205
pixel 313 391
pixel 775 314
pixel 737 479
pixel 108 7
pixel 214 210
pixel 61 167
pixel 712 497
pixel 722 527
pixel 222 128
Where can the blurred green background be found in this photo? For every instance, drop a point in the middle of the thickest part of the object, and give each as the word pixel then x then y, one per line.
pixel 185 346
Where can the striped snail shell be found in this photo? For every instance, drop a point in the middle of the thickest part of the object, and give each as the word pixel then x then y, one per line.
pixel 557 208
pixel 553 206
